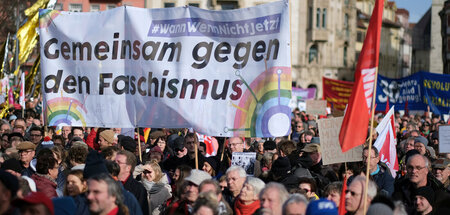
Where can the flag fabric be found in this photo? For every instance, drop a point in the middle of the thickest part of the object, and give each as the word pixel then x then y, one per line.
pixel 341 209
pixel 356 119
pixel 146 134
pixel 406 108
pixel 22 91
pixel 386 142
pixel 211 144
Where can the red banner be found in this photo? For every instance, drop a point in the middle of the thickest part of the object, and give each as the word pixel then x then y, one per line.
pixel 336 93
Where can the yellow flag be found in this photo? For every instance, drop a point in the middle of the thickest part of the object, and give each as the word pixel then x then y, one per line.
pixel 27 34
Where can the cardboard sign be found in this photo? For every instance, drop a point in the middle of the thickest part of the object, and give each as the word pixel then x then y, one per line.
pixel 316 107
pixel 444 139
pixel 245 160
pixel 329 143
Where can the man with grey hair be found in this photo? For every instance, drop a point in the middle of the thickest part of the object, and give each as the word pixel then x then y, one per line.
pixel 104 195
pixel 272 198
pixel 354 195
pixel 417 176
pixel 296 204
pixel 235 176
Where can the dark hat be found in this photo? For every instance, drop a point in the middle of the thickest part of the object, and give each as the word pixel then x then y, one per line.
pixel 171 140
pixel 9 181
pixel 427 192
pixel 270 145
pixel 313 147
pixel 281 166
pixel 422 140
pixel 12 164
pixel 411 153
pixel 178 143
pixel 212 162
pixel 441 163
pixel 94 165
pixel 36 198
pixel 25 145
pixel 128 143
pixel 15 134
pixel 435 135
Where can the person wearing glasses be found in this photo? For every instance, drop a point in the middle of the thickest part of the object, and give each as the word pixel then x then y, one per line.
pixel 379 172
pixel 354 195
pixel 417 176
pixel 26 153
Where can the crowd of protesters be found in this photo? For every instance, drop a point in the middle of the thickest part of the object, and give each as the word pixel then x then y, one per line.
pixel 102 171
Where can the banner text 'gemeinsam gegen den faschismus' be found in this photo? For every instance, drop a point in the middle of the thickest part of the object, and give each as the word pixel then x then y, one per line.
pixel 223 73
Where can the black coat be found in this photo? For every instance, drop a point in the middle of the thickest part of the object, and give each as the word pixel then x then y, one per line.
pixel 404 191
pixel 384 180
pixel 139 191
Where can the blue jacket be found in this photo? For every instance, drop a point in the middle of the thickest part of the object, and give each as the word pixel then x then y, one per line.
pixel 384 180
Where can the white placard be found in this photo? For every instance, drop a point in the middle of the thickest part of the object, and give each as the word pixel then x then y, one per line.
pixel 444 139
pixel 316 107
pixel 245 160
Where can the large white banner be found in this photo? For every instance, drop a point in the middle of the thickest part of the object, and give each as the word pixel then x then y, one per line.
pixel 223 73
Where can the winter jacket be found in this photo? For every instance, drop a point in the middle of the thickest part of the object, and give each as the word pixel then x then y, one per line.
pixel 157 195
pixel 45 184
pixel 138 190
pixel 384 180
pixel 404 191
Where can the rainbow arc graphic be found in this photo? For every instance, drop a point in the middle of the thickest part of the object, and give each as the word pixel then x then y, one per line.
pixel 46 17
pixel 263 110
pixel 65 111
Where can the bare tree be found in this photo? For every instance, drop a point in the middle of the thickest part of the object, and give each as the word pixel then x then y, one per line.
pixel 8 11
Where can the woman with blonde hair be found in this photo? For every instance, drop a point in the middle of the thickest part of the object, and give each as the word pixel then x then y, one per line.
pixel 157 191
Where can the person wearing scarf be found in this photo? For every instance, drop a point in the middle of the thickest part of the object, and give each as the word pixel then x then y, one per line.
pixel 248 201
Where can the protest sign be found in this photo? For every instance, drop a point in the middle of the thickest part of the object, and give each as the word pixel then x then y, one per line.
pixel 316 107
pixel 329 143
pixel 222 73
pixel 245 160
pixel 336 92
pixel 299 96
pixel 444 139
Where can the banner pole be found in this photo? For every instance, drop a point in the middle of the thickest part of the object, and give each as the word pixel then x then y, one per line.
pixel 370 139
pixel 139 145
pixel 196 155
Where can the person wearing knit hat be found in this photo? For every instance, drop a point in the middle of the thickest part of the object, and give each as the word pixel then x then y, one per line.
pixel 424 200
pixel 210 166
pixel 321 207
pixel 420 144
pixel 106 138
pixel 35 203
pixel 94 165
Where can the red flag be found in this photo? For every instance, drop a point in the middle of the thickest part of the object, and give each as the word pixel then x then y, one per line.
pixel 341 208
pixel 354 126
pixel 386 142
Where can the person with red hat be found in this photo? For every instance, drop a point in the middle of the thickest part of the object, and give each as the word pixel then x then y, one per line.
pixel 35 203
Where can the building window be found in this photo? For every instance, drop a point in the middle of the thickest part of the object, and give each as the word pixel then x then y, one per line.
pixel 345 55
pixel 310 17
pixel 95 7
pixel 318 18
pixel 313 53
pixel 58 6
pixel 346 25
pixel 169 4
pixel 324 18
pixel 110 6
pixel 360 36
pixel 229 6
pixel 194 4
pixel 75 7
